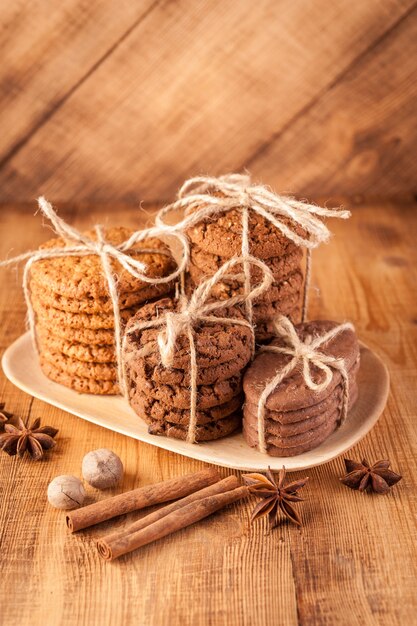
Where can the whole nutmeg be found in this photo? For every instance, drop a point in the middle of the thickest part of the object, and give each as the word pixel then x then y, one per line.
pixel 102 468
pixel 66 492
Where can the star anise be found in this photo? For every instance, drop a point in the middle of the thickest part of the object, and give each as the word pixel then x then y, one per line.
pixel 34 439
pixel 363 476
pixel 275 496
pixel 4 415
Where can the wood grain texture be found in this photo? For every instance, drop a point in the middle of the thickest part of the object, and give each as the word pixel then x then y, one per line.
pixel 353 562
pixel 361 133
pixel 104 104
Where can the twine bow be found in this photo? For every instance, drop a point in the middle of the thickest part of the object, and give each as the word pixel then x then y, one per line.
pixel 307 354
pixel 197 310
pixel 84 246
pixel 236 192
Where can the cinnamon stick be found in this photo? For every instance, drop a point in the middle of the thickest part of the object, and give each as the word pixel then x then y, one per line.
pixel 176 520
pixel 111 541
pixel 139 499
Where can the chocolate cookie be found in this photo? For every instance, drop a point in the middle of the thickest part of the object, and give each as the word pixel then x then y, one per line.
pixel 224 232
pixel 78 383
pixel 150 368
pixel 82 277
pixel 278 295
pixel 178 397
pixel 156 411
pixel 251 438
pixel 300 415
pixel 290 441
pixel 264 329
pixel 268 311
pixel 203 265
pixel 206 432
pixel 215 343
pixel 293 393
pixel 273 427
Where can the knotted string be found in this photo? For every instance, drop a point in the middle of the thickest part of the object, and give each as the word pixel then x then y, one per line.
pixel 198 309
pixel 306 354
pixel 236 192
pixel 84 246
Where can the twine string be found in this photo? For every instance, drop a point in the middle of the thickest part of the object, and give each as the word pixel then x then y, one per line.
pixel 111 283
pixel 235 191
pixel 307 354
pixel 247 268
pixel 84 246
pixel 306 288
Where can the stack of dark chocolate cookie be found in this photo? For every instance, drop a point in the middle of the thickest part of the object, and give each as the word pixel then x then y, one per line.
pixel 74 312
pixel 162 396
pixel 298 419
pixel 215 241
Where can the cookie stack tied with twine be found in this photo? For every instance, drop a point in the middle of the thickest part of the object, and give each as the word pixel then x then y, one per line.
pixel 300 387
pixel 184 360
pixel 80 289
pixel 228 216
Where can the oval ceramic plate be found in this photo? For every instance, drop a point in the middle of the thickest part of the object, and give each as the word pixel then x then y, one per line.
pixel 20 364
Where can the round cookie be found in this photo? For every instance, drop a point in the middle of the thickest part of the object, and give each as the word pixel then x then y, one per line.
pixel 208 396
pixel 92 305
pixel 288 430
pixel 84 352
pixel 298 439
pixel 82 276
pixel 277 429
pixel 215 344
pixel 297 416
pixel 206 432
pixel 224 232
pixel 202 265
pixel 79 335
pixel 278 295
pixel 273 450
pixel 156 411
pixel 268 311
pixel 56 318
pixel 78 383
pixel 293 393
pixel 281 292
pixel 96 371
pixel 264 329
pixel 150 369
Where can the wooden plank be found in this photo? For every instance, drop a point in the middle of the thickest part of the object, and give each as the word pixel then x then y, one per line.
pixel 193 88
pixel 353 562
pixel 48 50
pixel 360 136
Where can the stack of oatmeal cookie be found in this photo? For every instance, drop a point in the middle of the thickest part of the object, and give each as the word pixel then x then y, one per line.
pixel 215 241
pixel 74 313
pixel 162 395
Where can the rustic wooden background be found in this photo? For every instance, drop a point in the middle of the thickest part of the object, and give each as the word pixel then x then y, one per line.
pixel 106 101
pixel 103 104
pixel 354 561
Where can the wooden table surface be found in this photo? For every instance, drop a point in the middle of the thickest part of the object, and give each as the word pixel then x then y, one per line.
pixel 354 560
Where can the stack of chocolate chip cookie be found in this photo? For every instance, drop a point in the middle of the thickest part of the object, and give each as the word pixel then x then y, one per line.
pixel 162 396
pixel 298 419
pixel 213 242
pixel 74 312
